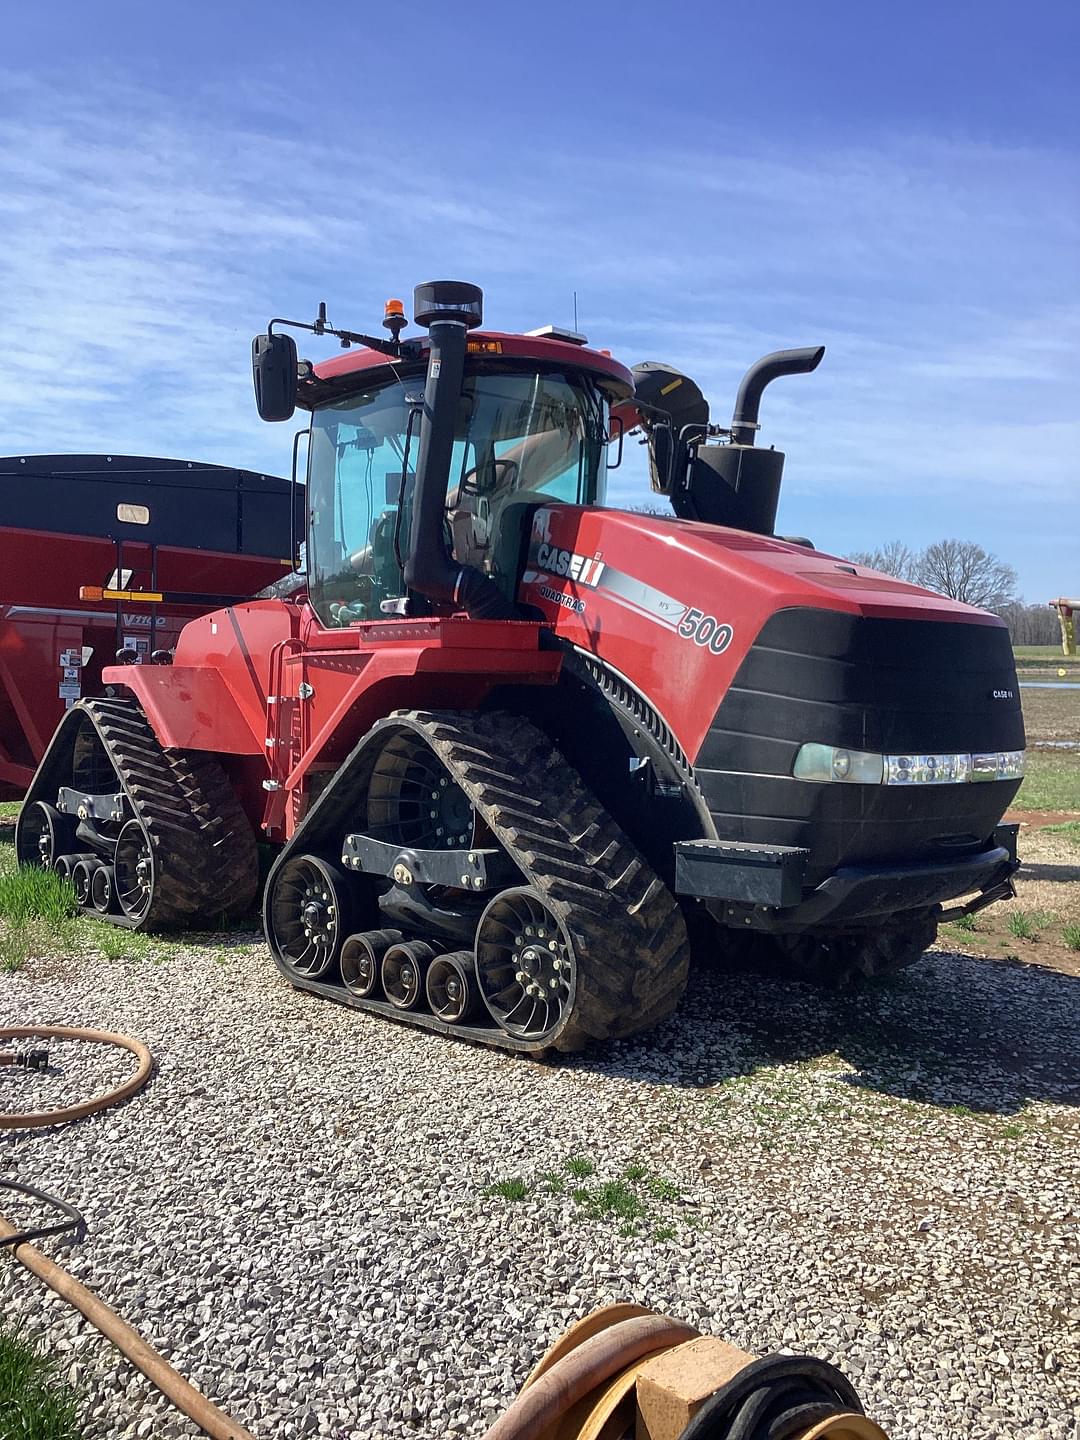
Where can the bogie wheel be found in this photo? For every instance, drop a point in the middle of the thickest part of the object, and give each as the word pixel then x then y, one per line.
pixel 403 970
pixel 361 959
pixel 525 965
pixel 134 871
pixel 65 866
pixel 103 889
pixel 451 987
pixel 82 877
pixel 307 917
pixel 44 835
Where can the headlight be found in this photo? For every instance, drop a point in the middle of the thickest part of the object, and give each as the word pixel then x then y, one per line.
pixel 861 767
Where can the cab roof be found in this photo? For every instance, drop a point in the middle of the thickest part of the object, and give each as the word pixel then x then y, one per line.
pixel 360 360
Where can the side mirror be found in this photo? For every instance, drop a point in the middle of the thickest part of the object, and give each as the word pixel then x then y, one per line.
pixel 274 372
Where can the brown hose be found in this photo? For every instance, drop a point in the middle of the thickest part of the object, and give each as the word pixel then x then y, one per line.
pixel 585 1368
pixel 34 1118
pixel 160 1374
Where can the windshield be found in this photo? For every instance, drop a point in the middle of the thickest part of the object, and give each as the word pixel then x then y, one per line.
pixel 520 436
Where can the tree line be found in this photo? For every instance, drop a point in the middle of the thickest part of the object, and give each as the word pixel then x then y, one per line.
pixel 964 571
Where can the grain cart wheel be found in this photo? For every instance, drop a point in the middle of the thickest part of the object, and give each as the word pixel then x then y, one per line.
pixel 134 870
pixel 361 959
pixel 403 969
pixel 103 890
pixel 44 835
pixel 307 912
pixel 82 877
pixel 525 964
pixel 451 987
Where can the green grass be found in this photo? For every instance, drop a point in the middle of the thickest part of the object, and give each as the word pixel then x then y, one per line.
pixel 1069 831
pixel 1052 782
pixel 9 809
pixel 613 1199
pixel 35 1403
pixel 37 911
pixel 579 1167
pixel 1022 926
pixel 1071 935
pixel 965 922
pixel 513 1189
pixel 27 893
pixel 1027 656
pixel 633 1173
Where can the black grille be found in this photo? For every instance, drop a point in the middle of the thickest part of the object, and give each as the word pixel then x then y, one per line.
pixel 887 686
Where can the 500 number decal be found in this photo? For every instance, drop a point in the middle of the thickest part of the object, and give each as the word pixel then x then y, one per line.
pixel 706 631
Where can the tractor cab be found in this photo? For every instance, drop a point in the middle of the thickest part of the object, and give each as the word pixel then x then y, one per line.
pixel 524 435
pixel 427 456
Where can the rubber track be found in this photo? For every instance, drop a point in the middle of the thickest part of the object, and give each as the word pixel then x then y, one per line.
pixel 205 860
pixel 627 929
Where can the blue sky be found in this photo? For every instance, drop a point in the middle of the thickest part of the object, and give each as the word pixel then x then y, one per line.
pixel 714 181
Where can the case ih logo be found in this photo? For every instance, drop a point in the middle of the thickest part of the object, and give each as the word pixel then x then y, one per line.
pixel 584 569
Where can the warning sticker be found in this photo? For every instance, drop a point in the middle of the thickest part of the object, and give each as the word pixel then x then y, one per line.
pixel 70 691
pixel 71 672
pixel 71 657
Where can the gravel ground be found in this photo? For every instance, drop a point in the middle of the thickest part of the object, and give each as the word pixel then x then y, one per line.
pixel 296 1209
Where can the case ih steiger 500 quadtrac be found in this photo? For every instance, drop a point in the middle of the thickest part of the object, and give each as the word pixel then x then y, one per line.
pixel 506 737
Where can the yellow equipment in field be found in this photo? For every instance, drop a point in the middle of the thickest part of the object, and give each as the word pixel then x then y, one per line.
pixel 1066 610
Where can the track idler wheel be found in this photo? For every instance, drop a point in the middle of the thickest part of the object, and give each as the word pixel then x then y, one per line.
pixel 44 835
pixel 103 890
pixel 451 987
pixel 403 968
pixel 134 870
pixel 82 877
pixel 525 964
pixel 307 914
pixel 361 960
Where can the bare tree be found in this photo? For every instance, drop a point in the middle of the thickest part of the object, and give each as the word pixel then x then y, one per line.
pixel 895 559
pixel 965 571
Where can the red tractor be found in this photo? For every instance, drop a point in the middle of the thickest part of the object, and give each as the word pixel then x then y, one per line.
pixel 507 740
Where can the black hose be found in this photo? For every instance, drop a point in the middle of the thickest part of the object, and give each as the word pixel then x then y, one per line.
pixel 774 1398
pixel 74 1221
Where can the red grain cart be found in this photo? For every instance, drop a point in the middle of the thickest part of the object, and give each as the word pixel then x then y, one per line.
pixel 194 533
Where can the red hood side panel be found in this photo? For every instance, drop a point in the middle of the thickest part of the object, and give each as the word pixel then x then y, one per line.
pixel 675 605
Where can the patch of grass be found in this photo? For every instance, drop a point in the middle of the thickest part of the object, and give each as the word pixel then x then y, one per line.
pixel 664 1232
pixel 9 809
pixel 1051 782
pixel 613 1199
pixel 1069 831
pixel 35 1403
pixel 1012 1131
pixel 555 1184
pixel 580 1196
pixel 634 1173
pixel 31 894
pixel 965 922
pixel 1071 935
pixel 512 1189
pixel 579 1167
pixel 1021 926
pixel 663 1189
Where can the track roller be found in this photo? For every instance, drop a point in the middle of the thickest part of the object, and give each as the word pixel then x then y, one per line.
pixel 44 835
pixel 103 890
pixel 361 959
pixel 403 969
pixel 307 916
pixel 64 865
pixel 82 877
pixel 450 987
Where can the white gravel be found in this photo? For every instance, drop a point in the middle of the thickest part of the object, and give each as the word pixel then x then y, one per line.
pixel 294 1210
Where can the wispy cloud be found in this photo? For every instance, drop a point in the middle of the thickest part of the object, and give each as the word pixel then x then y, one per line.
pixel 146 237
